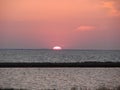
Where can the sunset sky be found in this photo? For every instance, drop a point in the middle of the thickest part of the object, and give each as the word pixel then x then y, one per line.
pixel 71 24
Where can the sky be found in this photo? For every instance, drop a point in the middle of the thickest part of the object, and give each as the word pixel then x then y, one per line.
pixel 70 24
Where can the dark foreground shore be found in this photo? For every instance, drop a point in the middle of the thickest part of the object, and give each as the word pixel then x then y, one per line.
pixel 74 64
pixel 72 88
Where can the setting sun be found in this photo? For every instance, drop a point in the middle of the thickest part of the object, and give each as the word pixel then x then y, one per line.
pixel 57 48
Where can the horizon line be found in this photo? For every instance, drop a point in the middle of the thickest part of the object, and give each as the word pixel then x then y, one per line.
pixel 51 49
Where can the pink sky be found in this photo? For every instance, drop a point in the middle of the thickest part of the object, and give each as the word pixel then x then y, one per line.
pixel 74 24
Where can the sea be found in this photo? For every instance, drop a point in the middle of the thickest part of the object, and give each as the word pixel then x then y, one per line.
pixel 59 78
pixel 58 56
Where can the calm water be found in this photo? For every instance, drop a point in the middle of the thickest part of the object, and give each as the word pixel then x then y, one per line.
pixel 59 56
pixel 60 78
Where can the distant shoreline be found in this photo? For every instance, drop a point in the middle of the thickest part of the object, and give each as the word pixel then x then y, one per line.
pixel 55 65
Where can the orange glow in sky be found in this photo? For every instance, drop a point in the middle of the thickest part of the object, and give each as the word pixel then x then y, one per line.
pixel 82 24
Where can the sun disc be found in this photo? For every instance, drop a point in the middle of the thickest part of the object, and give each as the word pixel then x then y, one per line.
pixel 57 48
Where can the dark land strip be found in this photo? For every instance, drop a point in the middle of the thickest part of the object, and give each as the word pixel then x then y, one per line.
pixel 54 65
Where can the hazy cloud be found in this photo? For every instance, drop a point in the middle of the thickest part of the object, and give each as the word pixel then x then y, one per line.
pixel 112 6
pixel 85 28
